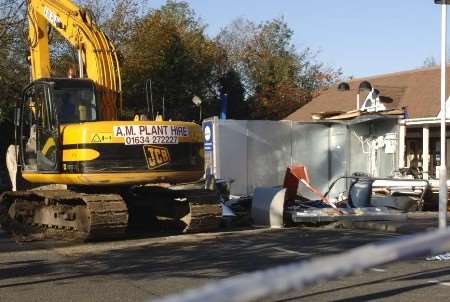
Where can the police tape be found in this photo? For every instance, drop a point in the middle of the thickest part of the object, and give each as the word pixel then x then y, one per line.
pixel 296 276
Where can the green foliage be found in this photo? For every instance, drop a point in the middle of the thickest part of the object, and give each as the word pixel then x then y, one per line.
pixel 13 54
pixel 115 17
pixel 231 84
pixel 169 46
pixel 256 65
pixel 278 78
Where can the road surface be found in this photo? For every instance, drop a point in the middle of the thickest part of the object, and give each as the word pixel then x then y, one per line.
pixel 146 268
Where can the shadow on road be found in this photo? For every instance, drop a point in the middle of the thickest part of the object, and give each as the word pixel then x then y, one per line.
pixel 422 275
pixel 212 258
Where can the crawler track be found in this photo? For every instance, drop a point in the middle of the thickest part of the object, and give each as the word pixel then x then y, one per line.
pixel 203 217
pixel 68 215
pixel 62 214
pixel 190 210
pixel 205 212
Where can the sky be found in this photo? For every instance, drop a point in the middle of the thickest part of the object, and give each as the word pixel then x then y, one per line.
pixel 362 37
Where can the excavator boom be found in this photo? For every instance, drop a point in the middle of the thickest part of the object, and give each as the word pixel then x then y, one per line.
pixel 97 56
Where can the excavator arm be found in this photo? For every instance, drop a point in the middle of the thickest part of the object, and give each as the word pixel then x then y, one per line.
pixel 97 56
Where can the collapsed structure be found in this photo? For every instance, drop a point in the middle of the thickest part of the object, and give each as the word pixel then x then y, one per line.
pixel 383 128
pixel 415 93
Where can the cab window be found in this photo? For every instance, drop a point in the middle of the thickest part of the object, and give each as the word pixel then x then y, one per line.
pixel 75 105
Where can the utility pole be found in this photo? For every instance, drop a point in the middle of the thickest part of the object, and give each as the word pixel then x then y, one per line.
pixel 443 188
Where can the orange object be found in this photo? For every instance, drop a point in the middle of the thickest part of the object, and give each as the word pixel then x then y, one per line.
pixel 71 73
pixel 292 178
pixel 296 174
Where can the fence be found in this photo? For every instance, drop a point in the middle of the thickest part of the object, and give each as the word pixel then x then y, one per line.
pixel 256 153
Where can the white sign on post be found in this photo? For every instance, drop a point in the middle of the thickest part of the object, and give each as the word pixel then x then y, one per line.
pixel 150 134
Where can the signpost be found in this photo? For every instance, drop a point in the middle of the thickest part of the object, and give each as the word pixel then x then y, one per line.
pixel 208 135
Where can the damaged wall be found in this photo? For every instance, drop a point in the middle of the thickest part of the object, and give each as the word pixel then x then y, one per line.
pixel 256 153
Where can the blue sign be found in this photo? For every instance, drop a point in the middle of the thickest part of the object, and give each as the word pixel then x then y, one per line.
pixel 208 135
pixel 223 106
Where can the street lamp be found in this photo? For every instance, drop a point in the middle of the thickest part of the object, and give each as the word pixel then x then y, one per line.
pixel 443 189
pixel 198 103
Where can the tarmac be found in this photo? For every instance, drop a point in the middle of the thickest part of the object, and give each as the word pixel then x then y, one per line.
pixel 146 267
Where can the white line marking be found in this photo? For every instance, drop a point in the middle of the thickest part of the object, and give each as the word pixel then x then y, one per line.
pixel 290 251
pixel 379 270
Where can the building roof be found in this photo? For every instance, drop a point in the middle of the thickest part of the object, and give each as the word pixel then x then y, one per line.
pixel 417 90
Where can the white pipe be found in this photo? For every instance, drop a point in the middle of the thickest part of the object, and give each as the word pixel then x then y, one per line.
pixel 443 189
pixel 425 151
pixel 80 63
pixel 424 121
pixel 401 146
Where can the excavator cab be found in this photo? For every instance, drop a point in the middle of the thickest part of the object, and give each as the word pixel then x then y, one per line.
pixel 75 101
pixel 47 104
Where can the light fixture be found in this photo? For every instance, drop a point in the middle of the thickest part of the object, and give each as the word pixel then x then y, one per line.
pixel 198 103
pixel 196 100
pixel 365 86
pixel 343 87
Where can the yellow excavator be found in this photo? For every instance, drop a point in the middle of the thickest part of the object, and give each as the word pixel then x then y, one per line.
pixel 113 171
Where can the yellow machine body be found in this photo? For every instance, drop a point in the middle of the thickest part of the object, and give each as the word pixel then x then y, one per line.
pixel 97 56
pixel 83 149
pixel 91 154
pixel 69 132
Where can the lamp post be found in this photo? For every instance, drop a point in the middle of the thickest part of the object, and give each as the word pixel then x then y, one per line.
pixel 148 89
pixel 443 189
pixel 198 103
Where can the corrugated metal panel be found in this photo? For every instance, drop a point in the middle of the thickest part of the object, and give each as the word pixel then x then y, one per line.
pixel 268 153
pixel 231 148
pixel 257 153
pixel 310 147
pixel 339 154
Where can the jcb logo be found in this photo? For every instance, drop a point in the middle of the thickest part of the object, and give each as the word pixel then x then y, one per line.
pixel 156 156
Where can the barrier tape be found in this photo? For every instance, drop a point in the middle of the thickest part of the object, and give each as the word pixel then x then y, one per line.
pixel 296 276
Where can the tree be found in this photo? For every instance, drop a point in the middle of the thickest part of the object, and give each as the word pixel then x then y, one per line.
pixel 169 46
pixel 278 78
pixel 116 18
pixel 13 56
pixel 231 85
pixel 429 62
pixel 256 65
